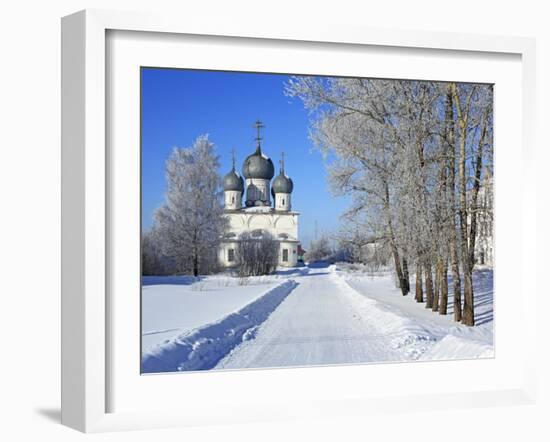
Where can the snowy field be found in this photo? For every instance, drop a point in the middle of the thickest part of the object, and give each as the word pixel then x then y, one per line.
pixel 173 305
pixel 315 315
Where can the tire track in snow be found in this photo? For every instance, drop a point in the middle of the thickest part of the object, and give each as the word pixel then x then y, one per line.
pixel 204 347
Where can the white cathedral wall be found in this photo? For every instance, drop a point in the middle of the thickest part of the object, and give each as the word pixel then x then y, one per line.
pixel 223 253
pixel 275 223
pixel 291 253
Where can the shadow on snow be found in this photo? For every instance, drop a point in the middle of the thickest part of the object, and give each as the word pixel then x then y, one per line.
pixel 204 347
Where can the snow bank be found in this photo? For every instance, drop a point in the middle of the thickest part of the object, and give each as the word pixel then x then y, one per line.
pixel 402 334
pixel 416 331
pixel 204 347
pixel 454 347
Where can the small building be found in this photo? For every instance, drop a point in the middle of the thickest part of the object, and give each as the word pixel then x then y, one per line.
pixel 259 213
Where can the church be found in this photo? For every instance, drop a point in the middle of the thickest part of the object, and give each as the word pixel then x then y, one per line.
pixel 259 213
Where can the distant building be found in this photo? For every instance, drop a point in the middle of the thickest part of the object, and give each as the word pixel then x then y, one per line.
pixel 483 251
pixel 259 213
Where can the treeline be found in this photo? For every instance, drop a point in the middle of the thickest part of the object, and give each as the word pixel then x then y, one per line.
pixel 417 158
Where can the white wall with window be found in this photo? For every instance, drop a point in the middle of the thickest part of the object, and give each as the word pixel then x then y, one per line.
pixel 282 201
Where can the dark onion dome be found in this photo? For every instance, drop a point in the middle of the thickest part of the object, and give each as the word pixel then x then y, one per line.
pixel 233 181
pixel 258 165
pixel 282 184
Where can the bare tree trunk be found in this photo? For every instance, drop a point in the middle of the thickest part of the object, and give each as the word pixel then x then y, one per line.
pixel 437 285
pixel 441 224
pixel 468 316
pixel 457 288
pixel 406 275
pixel 195 264
pixel 419 297
pixel 475 189
pixel 429 285
pixel 397 264
pixel 453 241
pixel 195 254
pixel 444 285
pixel 393 244
pixel 425 248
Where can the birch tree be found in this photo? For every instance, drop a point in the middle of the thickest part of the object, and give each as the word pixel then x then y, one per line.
pixel 358 128
pixel 472 105
pixel 190 222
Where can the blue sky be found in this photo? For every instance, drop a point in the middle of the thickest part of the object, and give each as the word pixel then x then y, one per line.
pixel 179 105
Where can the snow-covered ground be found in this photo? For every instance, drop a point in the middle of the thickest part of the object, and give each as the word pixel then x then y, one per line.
pixel 173 305
pixel 310 316
pixel 435 336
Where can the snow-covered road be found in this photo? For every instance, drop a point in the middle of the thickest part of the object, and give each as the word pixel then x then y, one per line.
pixel 320 322
pixel 308 316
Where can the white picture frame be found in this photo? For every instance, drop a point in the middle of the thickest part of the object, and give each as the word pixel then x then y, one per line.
pixel 86 206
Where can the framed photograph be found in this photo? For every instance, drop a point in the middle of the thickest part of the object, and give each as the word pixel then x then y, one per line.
pixel 279 222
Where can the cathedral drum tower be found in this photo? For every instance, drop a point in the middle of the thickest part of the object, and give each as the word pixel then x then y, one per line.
pixel 259 214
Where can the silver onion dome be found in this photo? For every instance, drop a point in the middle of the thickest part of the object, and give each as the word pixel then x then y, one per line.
pixel 258 165
pixel 282 184
pixel 233 181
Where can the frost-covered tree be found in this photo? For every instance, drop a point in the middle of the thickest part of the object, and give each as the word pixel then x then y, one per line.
pixel 153 259
pixel 472 105
pixel 412 155
pixel 357 120
pixel 190 222
pixel 319 249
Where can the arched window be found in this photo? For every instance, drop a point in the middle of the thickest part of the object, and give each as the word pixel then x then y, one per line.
pixel 233 200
